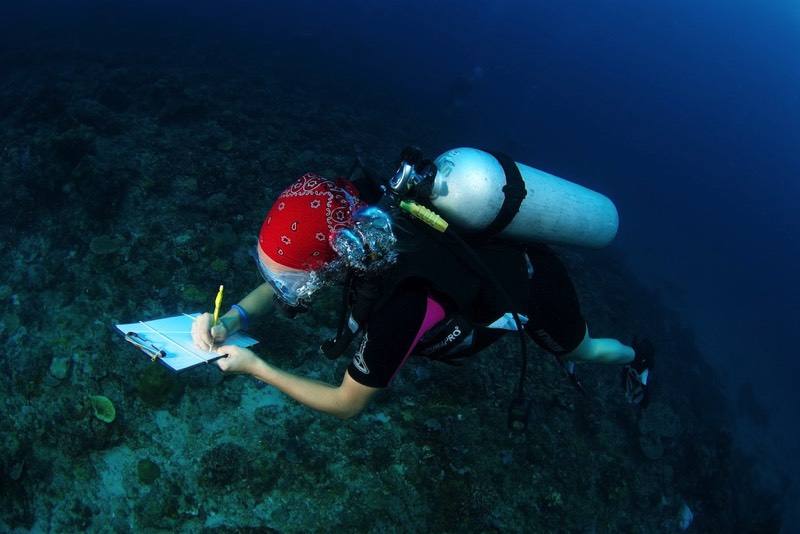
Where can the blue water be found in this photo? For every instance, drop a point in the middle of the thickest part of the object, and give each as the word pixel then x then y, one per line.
pixel 686 114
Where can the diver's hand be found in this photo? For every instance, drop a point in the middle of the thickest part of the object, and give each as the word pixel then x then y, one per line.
pixel 203 336
pixel 238 360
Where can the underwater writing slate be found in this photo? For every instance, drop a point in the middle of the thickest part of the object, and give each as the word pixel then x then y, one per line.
pixel 169 340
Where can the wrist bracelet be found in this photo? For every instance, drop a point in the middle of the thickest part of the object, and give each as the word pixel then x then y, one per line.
pixel 243 315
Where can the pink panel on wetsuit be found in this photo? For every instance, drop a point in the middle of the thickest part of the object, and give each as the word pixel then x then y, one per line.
pixel 434 312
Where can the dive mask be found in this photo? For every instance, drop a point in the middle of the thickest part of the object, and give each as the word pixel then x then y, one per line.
pixel 291 287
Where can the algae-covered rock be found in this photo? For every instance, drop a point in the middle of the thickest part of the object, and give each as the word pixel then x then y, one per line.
pixel 148 471
pixel 103 408
pixel 659 419
pixel 651 445
pixel 225 145
pixel 105 244
pixel 10 322
pixel 223 465
pixel 59 367
pixel 5 290
pixel 157 385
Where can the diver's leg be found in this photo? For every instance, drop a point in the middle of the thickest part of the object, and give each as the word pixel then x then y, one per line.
pixel 637 360
pixel 602 350
pixel 557 325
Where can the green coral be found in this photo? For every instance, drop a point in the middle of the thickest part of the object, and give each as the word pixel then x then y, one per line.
pixel 103 408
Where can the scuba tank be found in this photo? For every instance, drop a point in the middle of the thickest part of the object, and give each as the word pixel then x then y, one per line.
pixel 489 194
pixel 484 194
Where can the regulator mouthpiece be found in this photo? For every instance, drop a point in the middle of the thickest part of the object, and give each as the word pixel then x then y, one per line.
pixel 368 244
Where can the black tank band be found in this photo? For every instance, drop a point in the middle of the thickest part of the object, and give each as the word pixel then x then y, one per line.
pixel 514 191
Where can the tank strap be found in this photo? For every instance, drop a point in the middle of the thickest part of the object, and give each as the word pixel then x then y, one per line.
pixel 514 191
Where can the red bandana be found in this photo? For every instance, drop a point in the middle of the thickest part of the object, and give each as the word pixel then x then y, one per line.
pixel 295 232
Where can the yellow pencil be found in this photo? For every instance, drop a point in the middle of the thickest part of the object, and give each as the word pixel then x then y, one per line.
pixel 217 304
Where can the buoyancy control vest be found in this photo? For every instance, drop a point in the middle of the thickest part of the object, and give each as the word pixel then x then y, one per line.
pixel 424 254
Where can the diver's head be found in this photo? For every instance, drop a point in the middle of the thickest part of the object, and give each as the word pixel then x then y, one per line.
pixel 317 230
pixel 293 245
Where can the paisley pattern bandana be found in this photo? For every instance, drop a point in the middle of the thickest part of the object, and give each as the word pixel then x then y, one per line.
pixel 296 230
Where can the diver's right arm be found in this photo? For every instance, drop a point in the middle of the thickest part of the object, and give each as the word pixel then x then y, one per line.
pixel 256 304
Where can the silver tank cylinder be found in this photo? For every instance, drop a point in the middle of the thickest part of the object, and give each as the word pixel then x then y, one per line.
pixel 468 193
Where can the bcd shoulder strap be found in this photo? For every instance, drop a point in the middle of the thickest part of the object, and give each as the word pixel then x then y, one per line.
pixel 359 298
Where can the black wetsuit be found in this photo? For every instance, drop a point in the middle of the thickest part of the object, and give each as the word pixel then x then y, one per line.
pixel 420 317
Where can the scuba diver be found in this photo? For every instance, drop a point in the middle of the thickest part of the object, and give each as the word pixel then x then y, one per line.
pixel 409 290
